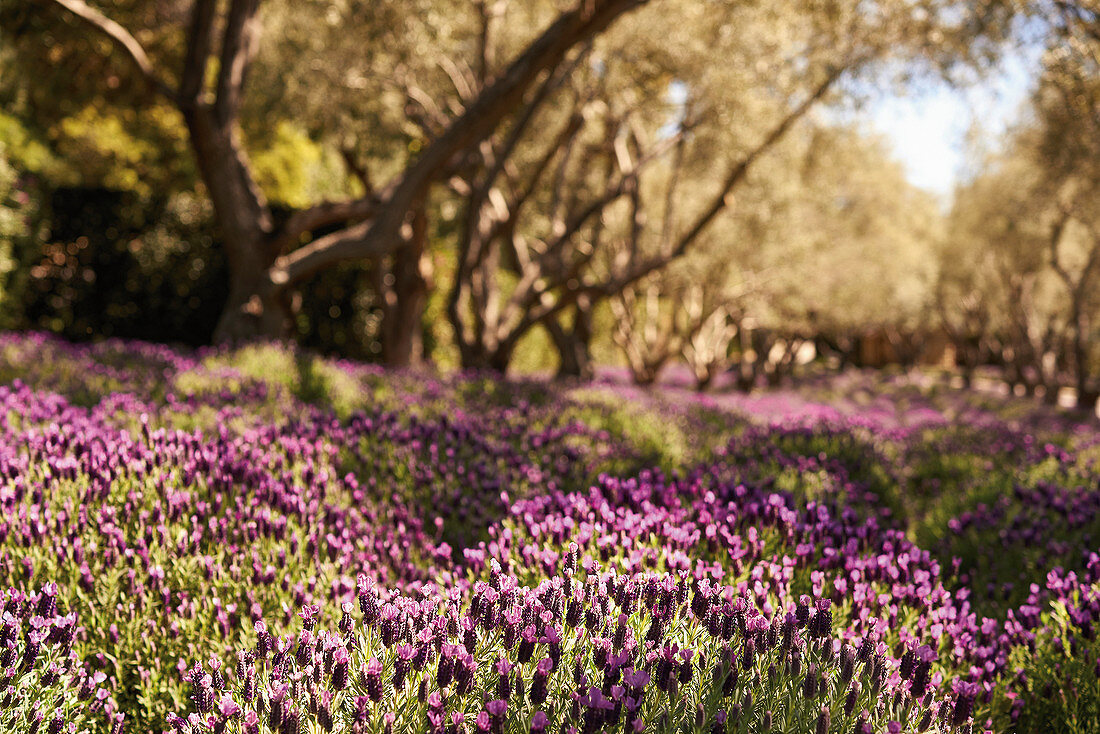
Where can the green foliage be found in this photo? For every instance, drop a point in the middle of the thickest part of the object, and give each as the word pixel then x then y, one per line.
pixel 690 703
pixel 12 222
pixel 1059 677
pixel 18 214
pixel 101 147
pixel 23 150
pixel 301 375
pixel 294 171
pixel 659 441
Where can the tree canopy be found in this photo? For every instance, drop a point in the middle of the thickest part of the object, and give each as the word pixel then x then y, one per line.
pixel 672 176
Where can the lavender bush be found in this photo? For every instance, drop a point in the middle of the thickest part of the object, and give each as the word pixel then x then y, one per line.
pixel 261 540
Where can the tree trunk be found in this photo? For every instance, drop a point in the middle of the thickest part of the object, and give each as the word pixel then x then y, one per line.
pixel 1050 383
pixel 1086 399
pixel 256 308
pixel 967 377
pixel 574 345
pixel 646 376
pixel 486 353
pixel 704 381
pixel 404 293
pixel 745 372
pixel 403 311
pixel 1086 394
pixel 481 358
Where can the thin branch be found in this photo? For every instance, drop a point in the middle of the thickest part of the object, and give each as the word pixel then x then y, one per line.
pixel 123 39
pixel 623 186
pixel 461 79
pixel 1093 259
pixel 558 182
pixel 668 216
pixel 433 118
pixel 358 170
pixel 521 197
pixel 322 215
pixel 484 44
pixel 552 83
pixel 1056 233
pixel 720 200
pixel 738 172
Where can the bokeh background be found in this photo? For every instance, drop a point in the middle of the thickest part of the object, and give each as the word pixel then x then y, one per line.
pixel 727 190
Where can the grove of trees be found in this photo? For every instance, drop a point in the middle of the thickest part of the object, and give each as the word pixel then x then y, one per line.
pixel 639 180
pixel 1023 295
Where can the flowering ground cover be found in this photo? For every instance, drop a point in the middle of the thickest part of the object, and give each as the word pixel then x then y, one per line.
pixel 261 540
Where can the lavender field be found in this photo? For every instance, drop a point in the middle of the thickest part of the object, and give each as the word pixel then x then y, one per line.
pixel 263 541
pixel 549 367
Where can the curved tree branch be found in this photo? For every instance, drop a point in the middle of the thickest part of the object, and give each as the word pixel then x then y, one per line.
pixel 321 215
pixel 738 172
pixel 123 39
pixel 481 117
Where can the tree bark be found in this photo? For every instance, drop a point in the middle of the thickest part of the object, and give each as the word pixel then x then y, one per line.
pixel 574 345
pixel 253 308
pixel 1086 392
pixel 404 298
pixel 488 360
